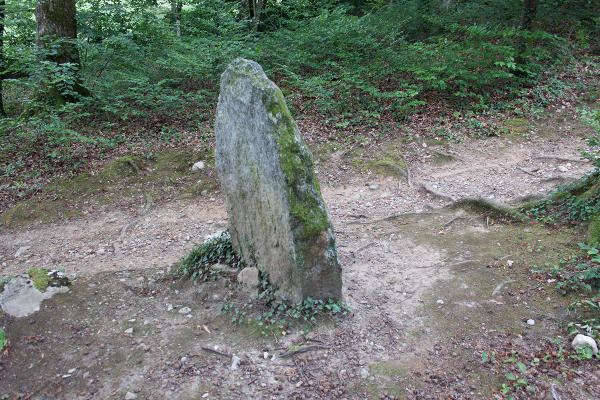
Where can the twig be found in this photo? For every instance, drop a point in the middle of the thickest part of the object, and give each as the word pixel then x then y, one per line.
pixel 498 288
pixel 216 352
pixel 451 221
pixel 304 349
pixel 463 262
pixel 527 172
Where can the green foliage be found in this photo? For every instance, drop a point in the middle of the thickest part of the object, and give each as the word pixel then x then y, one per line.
pixel 3 340
pixel 198 263
pixel 579 275
pixel 269 311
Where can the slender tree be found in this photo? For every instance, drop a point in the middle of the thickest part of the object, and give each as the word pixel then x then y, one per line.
pixel 176 7
pixel 528 12
pixel 2 63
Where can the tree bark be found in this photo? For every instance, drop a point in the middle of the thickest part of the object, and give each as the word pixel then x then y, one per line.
pixel 56 26
pixel 2 63
pixel 175 17
pixel 55 20
pixel 528 12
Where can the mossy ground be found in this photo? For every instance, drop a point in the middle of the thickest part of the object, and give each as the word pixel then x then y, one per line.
pixel 519 126
pixel 129 179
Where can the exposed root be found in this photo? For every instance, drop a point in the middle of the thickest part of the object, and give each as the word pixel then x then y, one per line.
pixel 404 172
pixel 528 198
pixel 527 172
pixel 442 196
pixel 489 206
pixel 560 158
pixel 366 246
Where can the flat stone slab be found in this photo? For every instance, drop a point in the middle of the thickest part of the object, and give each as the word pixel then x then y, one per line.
pixel 20 298
pixel 277 218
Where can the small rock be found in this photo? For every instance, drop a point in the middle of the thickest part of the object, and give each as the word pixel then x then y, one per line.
pixel 249 277
pixel 198 166
pixel 185 310
pixel 235 361
pixel 440 301
pixel 583 340
pixel 129 331
pixel 374 187
pixel 204 192
pixel 364 373
pixel 205 395
pixel 130 396
pixel 183 359
pixel 169 307
pixel 563 168
pixel 22 250
pixel 530 322
pixel 71 370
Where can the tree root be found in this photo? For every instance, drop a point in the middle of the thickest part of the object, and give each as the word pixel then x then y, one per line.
pixel 489 206
pixel 559 158
pixel 435 193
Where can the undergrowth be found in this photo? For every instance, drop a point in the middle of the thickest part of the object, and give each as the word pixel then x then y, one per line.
pixel 265 309
pixel 198 264
pixel 271 314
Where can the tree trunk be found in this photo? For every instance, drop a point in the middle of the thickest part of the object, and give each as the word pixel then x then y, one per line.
pixel 258 5
pixel 56 26
pixel 2 63
pixel 175 15
pixel 55 20
pixel 528 13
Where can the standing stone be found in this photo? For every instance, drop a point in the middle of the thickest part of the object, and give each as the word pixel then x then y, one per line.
pixel 277 217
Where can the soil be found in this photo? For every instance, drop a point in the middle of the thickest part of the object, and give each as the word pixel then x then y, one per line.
pixel 431 289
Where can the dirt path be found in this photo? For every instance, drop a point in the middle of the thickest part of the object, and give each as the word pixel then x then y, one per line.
pixel 423 286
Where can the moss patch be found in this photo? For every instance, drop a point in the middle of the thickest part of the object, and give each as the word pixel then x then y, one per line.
pixel 518 126
pixel 297 163
pixel 40 278
pixel 593 233
pixel 389 368
pixel 166 174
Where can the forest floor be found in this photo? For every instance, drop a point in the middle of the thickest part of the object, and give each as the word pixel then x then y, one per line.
pixel 440 297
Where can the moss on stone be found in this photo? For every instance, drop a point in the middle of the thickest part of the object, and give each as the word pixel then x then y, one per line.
pixel 40 278
pixel 297 165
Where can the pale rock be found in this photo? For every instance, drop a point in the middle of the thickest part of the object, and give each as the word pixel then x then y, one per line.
pixel 583 340
pixel 249 277
pixel 530 322
pixel 129 331
pixel 198 166
pixel 235 361
pixel 130 396
pixel 21 251
pixel 184 310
